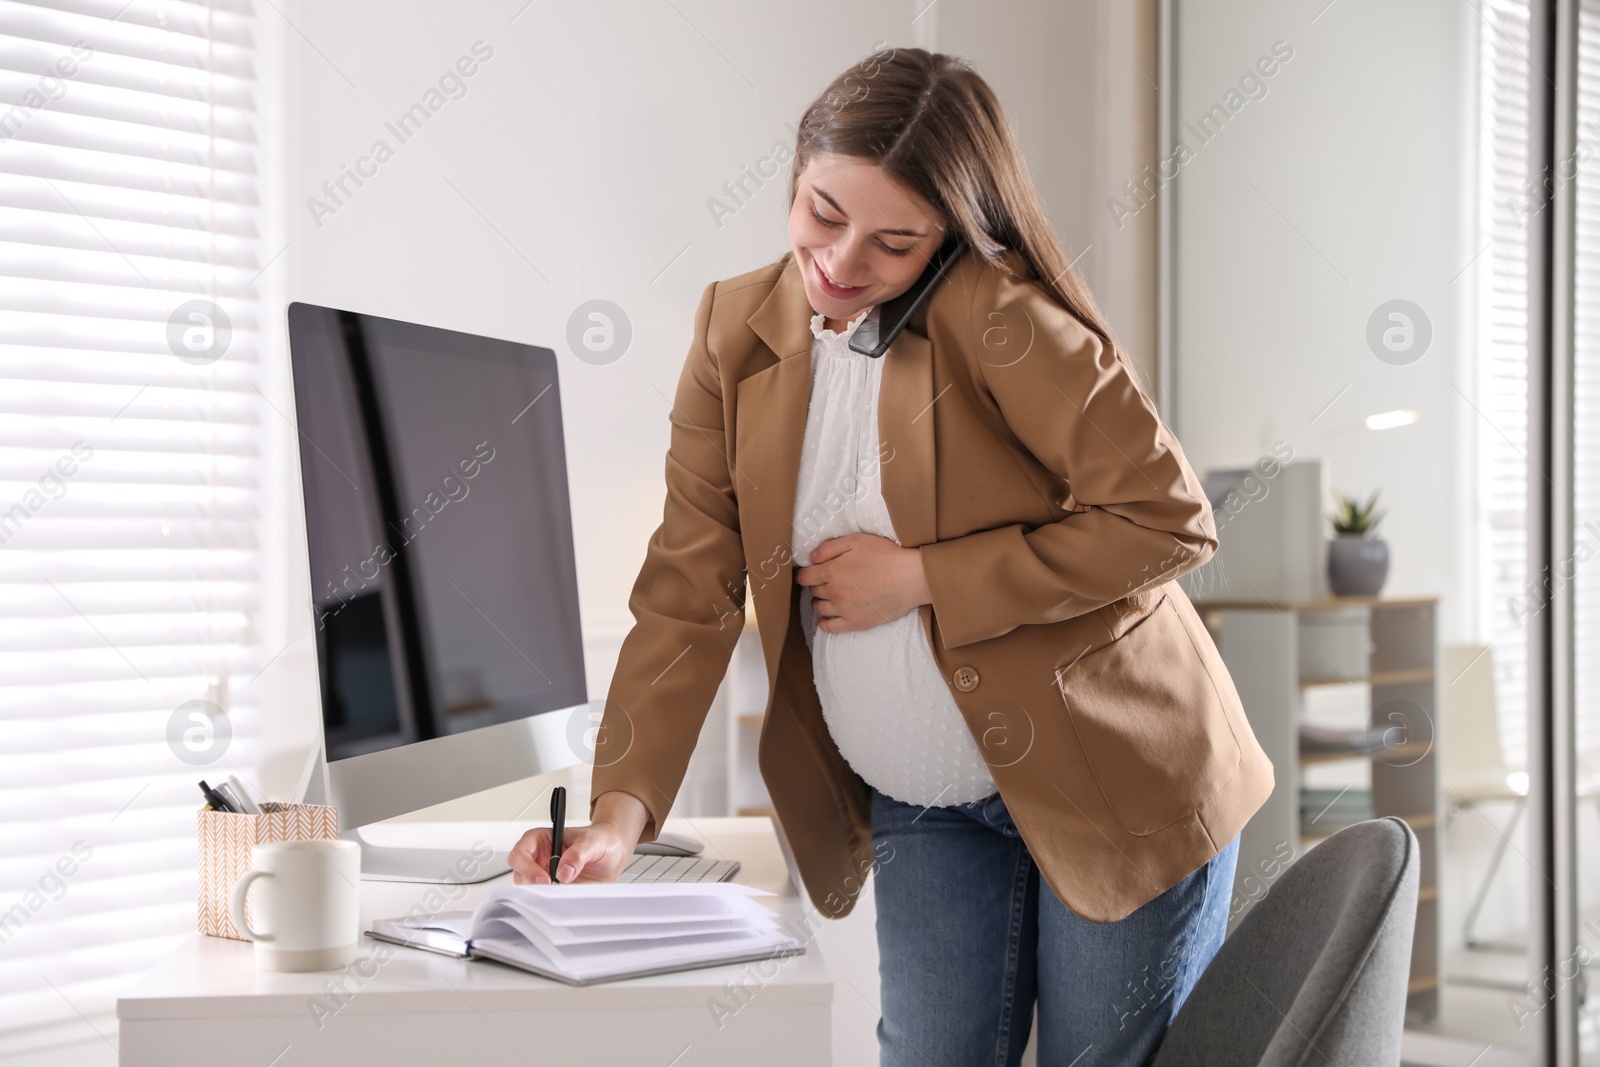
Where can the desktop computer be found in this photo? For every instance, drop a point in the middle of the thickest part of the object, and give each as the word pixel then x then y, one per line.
pixel 444 590
pixel 444 598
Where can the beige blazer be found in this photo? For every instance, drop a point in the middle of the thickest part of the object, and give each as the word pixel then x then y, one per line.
pixel 1052 508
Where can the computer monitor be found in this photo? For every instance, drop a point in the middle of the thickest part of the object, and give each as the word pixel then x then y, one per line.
pixel 444 589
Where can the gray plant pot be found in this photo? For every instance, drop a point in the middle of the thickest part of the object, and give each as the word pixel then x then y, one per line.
pixel 1357 565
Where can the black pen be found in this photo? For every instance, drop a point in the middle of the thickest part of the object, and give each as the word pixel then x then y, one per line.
pixel 217 801
pixel 558 820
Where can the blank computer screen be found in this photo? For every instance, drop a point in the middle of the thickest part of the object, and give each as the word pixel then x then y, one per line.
pixel 438 526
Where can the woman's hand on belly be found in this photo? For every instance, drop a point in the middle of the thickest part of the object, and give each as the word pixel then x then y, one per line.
pixel 862 580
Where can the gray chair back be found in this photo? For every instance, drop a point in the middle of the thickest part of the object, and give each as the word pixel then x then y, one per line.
pixel 1316 973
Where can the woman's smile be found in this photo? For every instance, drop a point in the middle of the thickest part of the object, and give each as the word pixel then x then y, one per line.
pixel 832 288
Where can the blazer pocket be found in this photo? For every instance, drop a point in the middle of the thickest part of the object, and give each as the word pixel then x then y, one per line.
pixel 1153 727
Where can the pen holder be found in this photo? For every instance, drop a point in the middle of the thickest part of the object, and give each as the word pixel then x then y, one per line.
pixel 225 840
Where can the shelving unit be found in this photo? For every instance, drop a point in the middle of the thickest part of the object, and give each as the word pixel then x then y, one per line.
pixel 1276 653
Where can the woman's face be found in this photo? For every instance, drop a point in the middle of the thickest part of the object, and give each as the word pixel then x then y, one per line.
pixel 859 236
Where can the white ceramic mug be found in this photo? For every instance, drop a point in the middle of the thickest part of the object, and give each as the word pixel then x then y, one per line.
pixel 309 907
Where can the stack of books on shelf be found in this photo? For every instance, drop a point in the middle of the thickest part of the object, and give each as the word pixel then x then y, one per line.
pixel 1327 741
pixel 1323 811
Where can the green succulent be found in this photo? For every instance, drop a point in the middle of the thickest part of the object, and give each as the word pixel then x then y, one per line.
pixel 1354 517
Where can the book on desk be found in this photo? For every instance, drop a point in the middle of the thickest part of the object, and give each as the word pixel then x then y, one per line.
pixel 585 933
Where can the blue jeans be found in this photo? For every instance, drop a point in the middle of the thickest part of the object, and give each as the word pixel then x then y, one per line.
pixel 969 936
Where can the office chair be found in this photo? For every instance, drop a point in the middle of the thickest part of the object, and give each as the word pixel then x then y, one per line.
pixel 1474 766
pixel 1316 973
pixel 1476 773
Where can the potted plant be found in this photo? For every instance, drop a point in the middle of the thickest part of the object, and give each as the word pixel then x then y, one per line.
pixel 1358 563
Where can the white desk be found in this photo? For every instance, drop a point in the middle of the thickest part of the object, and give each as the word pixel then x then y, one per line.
pixel 207 1004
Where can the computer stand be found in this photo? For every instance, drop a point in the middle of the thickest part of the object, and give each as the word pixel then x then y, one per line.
pixel 445 866
pixel 401 863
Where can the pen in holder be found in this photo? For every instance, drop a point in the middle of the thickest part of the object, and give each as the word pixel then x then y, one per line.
pixel 225 839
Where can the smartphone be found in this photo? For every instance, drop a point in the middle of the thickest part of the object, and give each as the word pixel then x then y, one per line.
pixel 874 336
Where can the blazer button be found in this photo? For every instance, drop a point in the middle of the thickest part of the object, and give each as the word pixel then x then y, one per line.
pixel 966 679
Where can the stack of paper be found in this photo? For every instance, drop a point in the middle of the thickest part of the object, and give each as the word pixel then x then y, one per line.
pixel 583 933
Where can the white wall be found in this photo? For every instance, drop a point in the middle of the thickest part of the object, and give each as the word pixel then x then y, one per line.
pixel 1349 184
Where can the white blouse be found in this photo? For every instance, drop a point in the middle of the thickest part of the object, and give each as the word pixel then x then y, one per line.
pixel 886 704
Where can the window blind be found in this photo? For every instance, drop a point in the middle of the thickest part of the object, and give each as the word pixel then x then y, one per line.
pixel 1586 382
pixel 1502 359
pixel 129 349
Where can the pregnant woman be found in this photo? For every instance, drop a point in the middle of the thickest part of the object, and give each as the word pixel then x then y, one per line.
pixel 986 688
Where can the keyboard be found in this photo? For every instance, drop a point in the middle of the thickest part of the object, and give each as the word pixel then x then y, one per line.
pixel 678 869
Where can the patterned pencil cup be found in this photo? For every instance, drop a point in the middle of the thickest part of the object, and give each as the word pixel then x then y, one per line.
pixel 225 839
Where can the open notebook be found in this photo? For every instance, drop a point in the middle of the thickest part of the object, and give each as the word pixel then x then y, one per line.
pixel 586 933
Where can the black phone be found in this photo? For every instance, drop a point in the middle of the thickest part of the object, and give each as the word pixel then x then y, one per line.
pixel 874 336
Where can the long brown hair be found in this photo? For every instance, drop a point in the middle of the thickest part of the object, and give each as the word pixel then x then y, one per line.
pixel 932 123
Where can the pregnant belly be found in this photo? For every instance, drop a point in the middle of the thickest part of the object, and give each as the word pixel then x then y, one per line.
pixel 895 643
pixel 893 717
pixel 890 648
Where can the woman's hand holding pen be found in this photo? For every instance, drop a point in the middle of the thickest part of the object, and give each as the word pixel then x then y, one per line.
pixel 594 853
pixel 860 580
